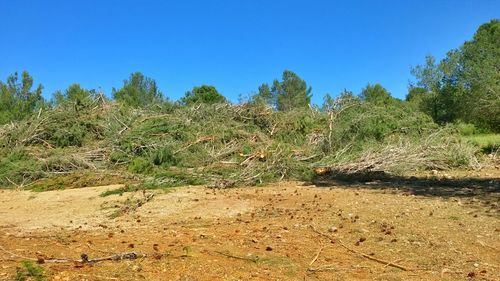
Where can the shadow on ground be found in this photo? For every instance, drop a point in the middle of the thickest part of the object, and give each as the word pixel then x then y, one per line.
pixel 484 190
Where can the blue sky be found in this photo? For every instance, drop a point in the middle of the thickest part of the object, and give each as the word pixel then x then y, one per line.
pixel 233 45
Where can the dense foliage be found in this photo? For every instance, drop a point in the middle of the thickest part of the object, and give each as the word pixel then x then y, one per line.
pixel 290 93
pixel 465 85
pixel 276 134
pixel 203 94
pixel 17 99
pixel 138 91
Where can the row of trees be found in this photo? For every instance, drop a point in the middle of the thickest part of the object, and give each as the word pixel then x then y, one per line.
pixel 18 100
pixel 464 86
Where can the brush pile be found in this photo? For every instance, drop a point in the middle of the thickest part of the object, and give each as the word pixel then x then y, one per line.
pixel 171 145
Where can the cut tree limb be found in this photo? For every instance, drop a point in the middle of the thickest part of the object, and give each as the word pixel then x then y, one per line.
pixel 252 259
pixel 316 256
pixel 84 257
pixel 384 262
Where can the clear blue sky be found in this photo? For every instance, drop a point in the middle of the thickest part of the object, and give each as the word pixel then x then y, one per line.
pixel 234 45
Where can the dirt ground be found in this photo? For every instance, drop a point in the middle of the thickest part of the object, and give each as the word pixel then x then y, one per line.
pixel 416 230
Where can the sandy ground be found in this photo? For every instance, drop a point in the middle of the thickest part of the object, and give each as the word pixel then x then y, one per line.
pixel 287 231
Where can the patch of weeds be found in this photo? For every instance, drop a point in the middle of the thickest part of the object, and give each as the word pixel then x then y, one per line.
pixel 119 157
pixel 174 178
pixel 140 165
pixel 19 168
pixel 131 204
pixel 78 180
pixel 187 250
pixel 274 260
pixel 278 261
pixel 136 187
pixel 489 143
pixel 119 191
pixel 29 271
pixel 164 157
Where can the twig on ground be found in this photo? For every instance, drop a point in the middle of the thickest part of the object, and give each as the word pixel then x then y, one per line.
pixel 486 245
pixel 321 268
pixel 316 256
pixel 84 257
pixel 384 262
pixel 252 259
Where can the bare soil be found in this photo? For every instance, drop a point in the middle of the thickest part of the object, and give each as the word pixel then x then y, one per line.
pixel 286 231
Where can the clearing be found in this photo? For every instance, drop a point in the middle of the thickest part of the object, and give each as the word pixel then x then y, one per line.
pixel 444 229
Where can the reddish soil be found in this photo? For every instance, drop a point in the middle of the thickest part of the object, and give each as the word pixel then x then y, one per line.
pixel 259 233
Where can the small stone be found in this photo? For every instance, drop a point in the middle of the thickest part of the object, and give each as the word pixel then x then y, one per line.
pixel 269 248
pixel 136 268
pixel 332 229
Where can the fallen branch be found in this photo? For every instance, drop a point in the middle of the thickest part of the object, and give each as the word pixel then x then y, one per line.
pixel 321 268
pixel 132 206
pixel 84 258
pixel 316 256
pixel 125 127
pixel 252 259
pixel 200 140
pixel 386 263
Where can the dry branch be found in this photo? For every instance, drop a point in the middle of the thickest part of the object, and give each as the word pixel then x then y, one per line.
pixel 316 256
pixel 84 258
pixel 384 262
pixel 252 259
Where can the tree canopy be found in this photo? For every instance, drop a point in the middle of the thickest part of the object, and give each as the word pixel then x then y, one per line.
pixel 465 85
pixel 75 96
pixel 289 93
pixel 203 94
pixel 138 91
pixel 18 99
pixel 376 94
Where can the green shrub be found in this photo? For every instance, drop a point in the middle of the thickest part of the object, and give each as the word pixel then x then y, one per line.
pixel 164 157
pixel 29 271
pixel 466 129
pixel 119 157
pixel 19 168
pixel 206 143
pixel 140 165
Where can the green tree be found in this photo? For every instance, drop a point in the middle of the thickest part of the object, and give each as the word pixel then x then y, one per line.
pixel 17 98
pixel 75 96
pixel 440 89
pixel 415 94
pixel 203 94
pixel 345 98
pixel 465 84
pixel 291 92
pixel 428 76
pixel 264 96
pixel 138 91
pixel 481 71
pixel 376 94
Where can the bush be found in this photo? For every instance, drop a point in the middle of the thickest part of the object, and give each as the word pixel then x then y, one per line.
pixel 140 165
pixel 208 143
pixel 18 168
pixel 164 157
pixel 466 129
pixel 29 271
